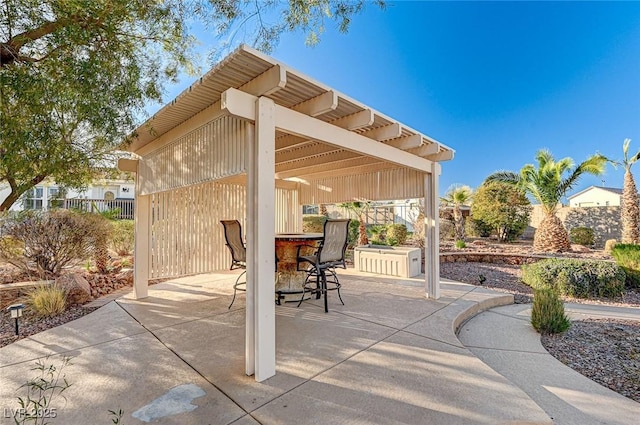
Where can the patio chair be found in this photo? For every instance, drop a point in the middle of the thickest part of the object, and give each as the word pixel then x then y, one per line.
pixel 329 255
pixel 233 237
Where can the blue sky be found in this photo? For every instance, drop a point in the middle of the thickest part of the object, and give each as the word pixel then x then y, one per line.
pixel 495 81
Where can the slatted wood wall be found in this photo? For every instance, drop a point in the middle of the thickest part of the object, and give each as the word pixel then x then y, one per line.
pixel 214 151
pixel 186 234
pixel 383 185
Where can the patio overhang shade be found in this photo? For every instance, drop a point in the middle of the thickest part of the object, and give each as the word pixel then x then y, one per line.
pixel 264 138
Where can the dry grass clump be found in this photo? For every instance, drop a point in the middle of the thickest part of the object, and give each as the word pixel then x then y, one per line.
pixel 48 300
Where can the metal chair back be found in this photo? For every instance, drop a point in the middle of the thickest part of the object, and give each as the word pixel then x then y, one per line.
pixel 334 243
pixel 233 237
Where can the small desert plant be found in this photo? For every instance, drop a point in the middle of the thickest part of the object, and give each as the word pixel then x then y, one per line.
pixel 38 405
pixel 627 256
pixel 378 233
pixel 101 230
pixel 576 278
pixel 581 236
pixel 397 232
pixel 460 244
pixel 122 237
pixel 609 244
pixel 116 416
pixel 547 312
pixel 48 300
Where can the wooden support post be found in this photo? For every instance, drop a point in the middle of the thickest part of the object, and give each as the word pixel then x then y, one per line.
pixel 432 233
pixel 260 348
pixel 142 246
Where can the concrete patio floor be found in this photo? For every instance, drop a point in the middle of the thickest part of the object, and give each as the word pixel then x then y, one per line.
pixel 388 356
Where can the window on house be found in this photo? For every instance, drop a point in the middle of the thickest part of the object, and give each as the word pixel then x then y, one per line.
pixel 56 197
pixel 310 209
pixel 33 199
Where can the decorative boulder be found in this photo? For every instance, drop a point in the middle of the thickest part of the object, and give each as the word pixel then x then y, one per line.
pixel 579 248
pixel 77 288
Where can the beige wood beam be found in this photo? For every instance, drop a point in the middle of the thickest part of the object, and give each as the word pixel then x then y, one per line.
pixel 355 121
pixel 238 104
pixel 386 132
pixel 270 81
pixel 372 166
pixel 406 142
pixel 242 105
pixel 425 150
pixel 241 179
pixel 305 126
pixel 309 150
pixel 125 164
pixel 442 156
pixel 289 141
pixel 321 104
pixel 324 159
pixel 329 167
pixel 201 118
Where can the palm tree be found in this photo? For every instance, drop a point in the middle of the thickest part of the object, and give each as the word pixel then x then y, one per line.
pixel 456 196
pixel 359 209
pixel 547 185
pixel 630 212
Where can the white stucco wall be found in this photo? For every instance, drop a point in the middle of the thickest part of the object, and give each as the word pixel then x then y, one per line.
pixel 121 190
pixel 595 197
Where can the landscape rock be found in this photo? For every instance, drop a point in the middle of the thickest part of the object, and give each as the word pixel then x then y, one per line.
pixel 77 288
pixel 579 248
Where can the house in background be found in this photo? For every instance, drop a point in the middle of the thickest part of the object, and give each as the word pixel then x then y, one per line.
pixel 101 195
pixel 596 196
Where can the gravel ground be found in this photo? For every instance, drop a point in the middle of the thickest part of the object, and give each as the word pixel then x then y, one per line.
pixel 29 324
pixel 605 351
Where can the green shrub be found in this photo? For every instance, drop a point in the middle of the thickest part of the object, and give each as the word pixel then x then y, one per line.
pixel 313 223
pixel 576 278
pixel 581 236
pixel 122 237
pixel 48 300
pixel 377 231
pixel 476 228
pixel 397 232
pixel 353 232
pixel 547 312
pixel 460 244
pixel 392 241
pixel 11 247
pixel 502 207
pixel 447 230
pixel 627 256
pixel 377 242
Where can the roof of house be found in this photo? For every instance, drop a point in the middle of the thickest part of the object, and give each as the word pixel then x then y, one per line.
pixel 608 189
pixel 255 73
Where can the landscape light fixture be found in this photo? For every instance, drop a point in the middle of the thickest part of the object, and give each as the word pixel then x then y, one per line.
pixel 16 313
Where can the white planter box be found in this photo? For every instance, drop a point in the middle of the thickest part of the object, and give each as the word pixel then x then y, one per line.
pixel 388 260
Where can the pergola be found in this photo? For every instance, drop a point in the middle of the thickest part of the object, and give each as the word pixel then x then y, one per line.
pixel 255 140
